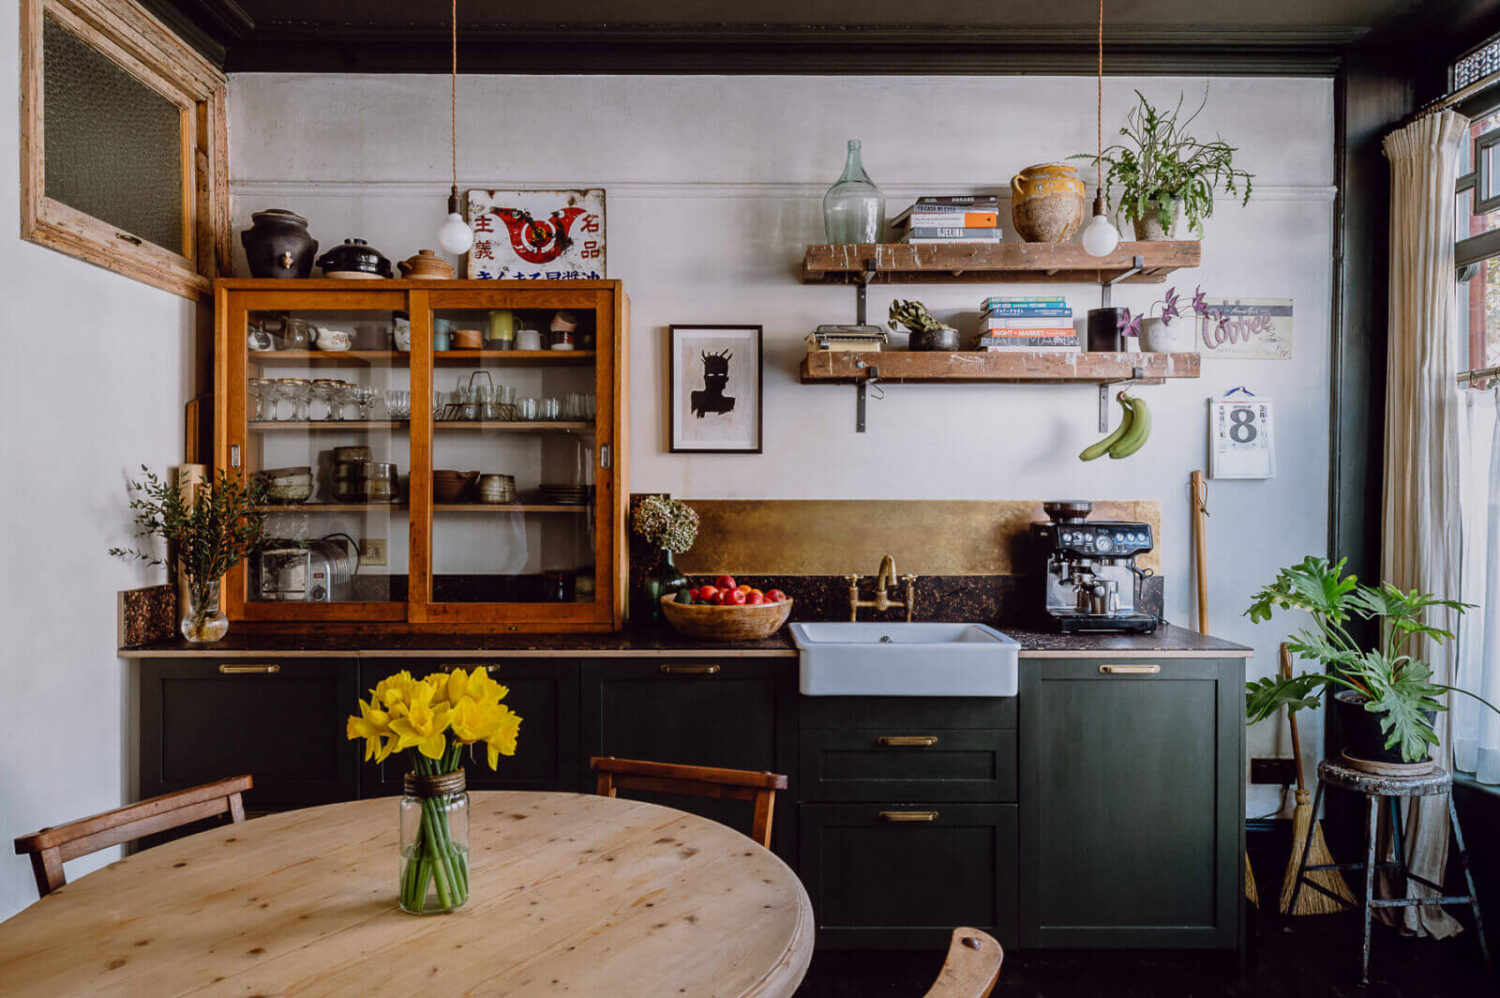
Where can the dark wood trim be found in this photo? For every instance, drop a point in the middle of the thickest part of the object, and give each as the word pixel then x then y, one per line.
pixel 891 50
pixel 205 42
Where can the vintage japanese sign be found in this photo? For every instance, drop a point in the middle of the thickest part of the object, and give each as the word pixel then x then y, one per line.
pixel 536 235
pixel 1252 327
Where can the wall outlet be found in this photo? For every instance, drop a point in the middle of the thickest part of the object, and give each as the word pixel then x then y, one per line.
pixel 1273 771
pixel 372 551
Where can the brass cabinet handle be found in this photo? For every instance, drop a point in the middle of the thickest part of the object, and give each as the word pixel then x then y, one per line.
pixel 1130 670
pixel 908 815
pixel 906 740
pixel 249 670
pixel 689 670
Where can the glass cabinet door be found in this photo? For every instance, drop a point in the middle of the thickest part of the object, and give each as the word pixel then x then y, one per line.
pixel 519 388
pixel 323 423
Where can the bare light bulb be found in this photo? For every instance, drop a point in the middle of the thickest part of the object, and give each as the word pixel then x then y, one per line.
pixel 454 235
pixel 1100 237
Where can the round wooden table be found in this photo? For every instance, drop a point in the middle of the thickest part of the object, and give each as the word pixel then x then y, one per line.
pixel 570 895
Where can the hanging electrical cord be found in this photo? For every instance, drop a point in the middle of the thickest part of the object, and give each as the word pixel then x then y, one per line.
pixel 454 235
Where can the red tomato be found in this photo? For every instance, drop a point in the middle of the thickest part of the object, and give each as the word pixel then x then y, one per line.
pixel 721 598
pixel 705 593
pixel 734 598
pixel 725 582
pixel 754 598
pixel 775 596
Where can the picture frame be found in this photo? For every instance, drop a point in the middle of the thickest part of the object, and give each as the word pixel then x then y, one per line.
pixel 715 389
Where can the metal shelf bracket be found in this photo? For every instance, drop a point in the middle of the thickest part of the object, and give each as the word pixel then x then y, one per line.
pixel 1138 264
pixel 1136 374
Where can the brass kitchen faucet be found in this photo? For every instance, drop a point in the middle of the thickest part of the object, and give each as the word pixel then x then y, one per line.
pixel 883 582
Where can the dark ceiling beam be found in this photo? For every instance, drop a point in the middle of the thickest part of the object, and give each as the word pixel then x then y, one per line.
pixel 365 47
pixel 207 41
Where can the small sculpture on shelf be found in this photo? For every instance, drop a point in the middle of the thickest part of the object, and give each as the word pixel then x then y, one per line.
pixel 926 332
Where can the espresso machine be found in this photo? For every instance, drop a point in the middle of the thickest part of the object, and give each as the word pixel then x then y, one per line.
pixel 1087 570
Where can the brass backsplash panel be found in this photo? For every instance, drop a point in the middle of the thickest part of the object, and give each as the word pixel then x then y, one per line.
pixel 839 536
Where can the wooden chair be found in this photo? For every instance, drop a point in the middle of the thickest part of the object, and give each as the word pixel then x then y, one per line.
pixel 972 966
pixel 51 847
pixel 695 781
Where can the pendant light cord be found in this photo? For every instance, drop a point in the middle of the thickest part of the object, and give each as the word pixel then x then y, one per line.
pixel 1098 105
pixel 453 115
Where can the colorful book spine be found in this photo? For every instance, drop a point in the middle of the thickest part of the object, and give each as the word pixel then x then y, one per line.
pixel 1048 301
pixel 1029 312
pixel 953 232
pixel 956 200
pixel 954 219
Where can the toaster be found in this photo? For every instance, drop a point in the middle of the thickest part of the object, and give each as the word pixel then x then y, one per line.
pixel 318 571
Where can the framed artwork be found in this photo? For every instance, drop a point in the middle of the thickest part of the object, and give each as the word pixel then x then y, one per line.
pixel 714 378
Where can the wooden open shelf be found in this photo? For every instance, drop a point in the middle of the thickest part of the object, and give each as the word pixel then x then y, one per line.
pixel 971 367
pixel 482 507
pixel 996 263
pixel 512 358
pixel 402 358
pixel 328 507
pixel 352 425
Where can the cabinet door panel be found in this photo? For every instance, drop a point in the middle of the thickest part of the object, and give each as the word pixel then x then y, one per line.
pixel 877 882
pixel 544 693
pixel 903 763
pixel 1132 791
pixel 284 727
pixel 737 717
pixel 909 712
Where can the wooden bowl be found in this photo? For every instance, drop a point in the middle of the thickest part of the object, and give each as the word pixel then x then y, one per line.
pixel 726 623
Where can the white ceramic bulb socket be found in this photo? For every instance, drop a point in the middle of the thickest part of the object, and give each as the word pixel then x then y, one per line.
pixel 454 236
pixel 1100 237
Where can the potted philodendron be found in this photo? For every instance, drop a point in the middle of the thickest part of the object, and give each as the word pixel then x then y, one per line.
pixel 1164 175
pixel 1384 697
pixel 212 532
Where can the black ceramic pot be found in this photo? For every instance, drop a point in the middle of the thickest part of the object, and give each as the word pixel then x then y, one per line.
pixel 354 258
pixel 945 338
pixel 1359 730
pixel 278 245
pixel 1104 330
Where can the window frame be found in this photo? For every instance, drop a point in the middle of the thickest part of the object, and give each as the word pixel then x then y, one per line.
pixel 129 36
pixel 1471 251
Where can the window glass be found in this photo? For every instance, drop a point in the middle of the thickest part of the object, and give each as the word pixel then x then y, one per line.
pixel 112 145
pixel 1479 315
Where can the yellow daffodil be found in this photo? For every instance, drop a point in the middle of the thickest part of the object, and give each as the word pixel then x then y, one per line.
pixel 502 741
pixel 473 721
pixel 374 726
pixel 394 692
pixel 423 724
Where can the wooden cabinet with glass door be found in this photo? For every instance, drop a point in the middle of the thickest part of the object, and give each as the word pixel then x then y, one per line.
pixel 436 453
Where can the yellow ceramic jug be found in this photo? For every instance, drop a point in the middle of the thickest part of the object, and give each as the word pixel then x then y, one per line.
pixel 1047 202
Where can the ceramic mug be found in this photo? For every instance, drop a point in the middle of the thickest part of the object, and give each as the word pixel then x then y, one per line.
pixel 528 339
pixel 441 341
pixel 402 334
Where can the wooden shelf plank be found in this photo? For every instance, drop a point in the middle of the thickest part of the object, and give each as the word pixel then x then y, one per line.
pixel 512 358
pixel 995 263
pixel 401 358
pixel 329 358
pixel 518 425
pixel 476 507
pixel 328 507
pixel 326 425
pixel 353 425
pixel 829 367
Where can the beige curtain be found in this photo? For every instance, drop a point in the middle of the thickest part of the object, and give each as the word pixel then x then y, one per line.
pixel 1421 515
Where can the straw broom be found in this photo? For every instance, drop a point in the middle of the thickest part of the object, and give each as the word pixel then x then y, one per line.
pixel 1309 901
pixel 1200 553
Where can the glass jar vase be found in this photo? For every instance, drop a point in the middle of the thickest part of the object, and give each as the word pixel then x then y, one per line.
pixel 854 208
pixel 434 843
pixel 658 582
pixel 202 619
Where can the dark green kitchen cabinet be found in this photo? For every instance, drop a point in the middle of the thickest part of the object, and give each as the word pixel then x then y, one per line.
pixel 904 875
pixel 1132 802
pixel 733 712
pixel 281 720
pixel 543 691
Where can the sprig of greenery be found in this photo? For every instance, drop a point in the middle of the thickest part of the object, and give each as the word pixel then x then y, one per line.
pixel 1160 162
pixel 1395 684
pixel 212 533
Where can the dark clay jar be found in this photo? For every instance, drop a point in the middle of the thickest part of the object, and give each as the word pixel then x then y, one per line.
pixel 278 244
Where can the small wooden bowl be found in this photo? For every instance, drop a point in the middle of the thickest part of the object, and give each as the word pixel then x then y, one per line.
pixel 726 623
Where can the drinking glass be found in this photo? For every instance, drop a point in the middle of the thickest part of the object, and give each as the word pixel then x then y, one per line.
pixel 258 387
pixel 324 393
pixel 527 408
pixel 549 408
pixel 398 404
pixel 365 399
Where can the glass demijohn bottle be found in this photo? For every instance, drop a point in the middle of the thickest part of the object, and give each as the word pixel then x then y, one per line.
pixel 854 208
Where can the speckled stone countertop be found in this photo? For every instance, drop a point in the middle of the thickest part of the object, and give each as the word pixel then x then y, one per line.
pixel 243 642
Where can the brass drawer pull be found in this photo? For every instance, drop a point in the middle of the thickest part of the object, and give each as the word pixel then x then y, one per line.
pixel 908 815
pixel 689 670
pixel 902 741
pixel 249 670
pixel 1130 670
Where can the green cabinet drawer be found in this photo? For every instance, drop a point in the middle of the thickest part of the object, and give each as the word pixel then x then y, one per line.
pixel 1132 791
pixel 280 720
pixel 908 763
pixel 934 713
pixel 903 876
pixel 543 691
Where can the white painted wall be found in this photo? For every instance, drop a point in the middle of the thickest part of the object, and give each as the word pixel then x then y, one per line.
pixel 714 186
pixel 92 385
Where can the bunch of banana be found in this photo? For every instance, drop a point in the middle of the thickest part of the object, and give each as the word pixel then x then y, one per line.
pixel 1129 436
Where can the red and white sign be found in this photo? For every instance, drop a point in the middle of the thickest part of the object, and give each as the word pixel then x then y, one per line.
pixel 536 235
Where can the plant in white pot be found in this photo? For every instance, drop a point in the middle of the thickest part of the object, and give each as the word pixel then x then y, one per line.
pixel 1172 329
pixel 1163 175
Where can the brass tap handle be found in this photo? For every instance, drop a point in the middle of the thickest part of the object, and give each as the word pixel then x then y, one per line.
pixel 910 595
pixel 854 603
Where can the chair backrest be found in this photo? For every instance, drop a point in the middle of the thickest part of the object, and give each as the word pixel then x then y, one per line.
pixel 971 968
pixel 51 847
pixel 695 781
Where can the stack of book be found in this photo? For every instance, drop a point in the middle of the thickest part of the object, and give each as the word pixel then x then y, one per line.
pixel 961 218
pixel 1028 324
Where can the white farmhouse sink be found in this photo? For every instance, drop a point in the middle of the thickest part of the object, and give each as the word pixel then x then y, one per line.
pixel 901 659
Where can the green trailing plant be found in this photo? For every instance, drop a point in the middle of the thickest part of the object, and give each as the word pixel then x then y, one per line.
pixel 1392 682
pixel 211 534
pixel 1160 165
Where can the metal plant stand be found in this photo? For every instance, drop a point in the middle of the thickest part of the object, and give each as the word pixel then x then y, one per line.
pixel 1389 789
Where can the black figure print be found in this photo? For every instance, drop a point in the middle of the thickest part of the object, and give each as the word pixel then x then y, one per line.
pixel 711 397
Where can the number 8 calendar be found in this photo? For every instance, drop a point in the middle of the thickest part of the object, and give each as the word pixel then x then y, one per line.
pixel 1240 439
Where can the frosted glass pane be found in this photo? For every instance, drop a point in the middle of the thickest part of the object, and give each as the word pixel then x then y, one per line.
pixel 113 145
